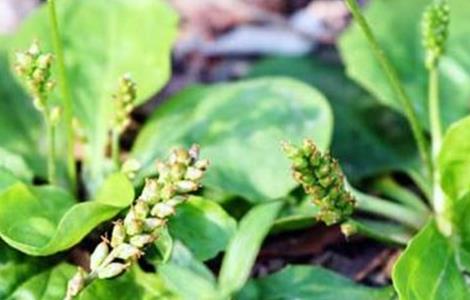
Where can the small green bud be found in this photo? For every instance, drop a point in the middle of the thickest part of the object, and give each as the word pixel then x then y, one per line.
pixel 202 164
pixel 77 283
pixel 141 210
pixel 124 99
pixel 118 235
pixel 130 167
pixel 112 270
pixel 127 252
pixel 349 229
pixel 132 224
pixel 150 224
pixel 181 156
pixel 99 255
pixel 194 152
pixel 193 174
pixel 162 210
pixel 149 193
pixel 186 186
pixel 142 240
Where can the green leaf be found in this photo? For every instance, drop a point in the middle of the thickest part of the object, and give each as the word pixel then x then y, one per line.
pixel 51 284
pixel 396 25
pixel 160 252
pixel 16 268
pixel 15 164
pixel 101 43
pixel 309 282
pixel 239 127
pixel 244 246
pixel 454 160
pixel 203 226
pixel 359 119
pixel 184 268
pixel 7 179
pixel 427 270
pixel 45 220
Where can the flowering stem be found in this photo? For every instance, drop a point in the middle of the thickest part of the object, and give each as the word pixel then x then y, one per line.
pixel 395 84
pixel 391 189
pixel 393 211
pixel 65 91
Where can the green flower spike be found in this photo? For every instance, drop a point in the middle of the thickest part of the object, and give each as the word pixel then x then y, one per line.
pixel 177 179
pixel 435 27
pixel 34 67
pixel 124 100
pixel 322 179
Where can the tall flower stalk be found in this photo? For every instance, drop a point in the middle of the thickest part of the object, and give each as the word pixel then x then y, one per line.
pixel 34 68
pixel 177 179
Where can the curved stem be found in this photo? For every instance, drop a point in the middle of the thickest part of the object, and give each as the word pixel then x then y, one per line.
pixel 65 91
pixel 393 190
pixel 390 210
pixel 395 84
pixel 383 231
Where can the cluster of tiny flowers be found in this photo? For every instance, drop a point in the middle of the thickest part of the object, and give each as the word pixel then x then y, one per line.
pixel 124 99
pixel 34 67
pixel 435 27
pixel 322 179
pixel 177 179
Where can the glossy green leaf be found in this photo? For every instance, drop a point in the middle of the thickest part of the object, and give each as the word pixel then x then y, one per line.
pixel 362 124
pixel 427 270
pixel 7 179
pixel 454 160
pixel 16 268
pixel 396 25
pixel 101 43
pixel 244 246
pixel 239 127
pixel 45 220
pixel 184 268
pixel 160 252
pixel 309 282
pixel 203 226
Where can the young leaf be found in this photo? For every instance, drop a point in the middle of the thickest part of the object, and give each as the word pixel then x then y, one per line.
pixel 401 41
pixel 102 42
pixel 239 126
pixel 309 282
pixel 428 269
pixel 244 246
pixel 203 226
pixel 454 160
pixel 45 220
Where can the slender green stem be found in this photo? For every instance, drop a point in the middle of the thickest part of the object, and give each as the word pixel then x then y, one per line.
pixel 395 84
pixel 65 91
pixel 115 149
pixel 51 170
pixel 393 211
pixel 434 111
pixel 393 190
pixel 383 231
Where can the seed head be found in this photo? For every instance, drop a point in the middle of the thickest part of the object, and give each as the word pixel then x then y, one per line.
pixel 124 101
pixel 321 178
pixel 435 27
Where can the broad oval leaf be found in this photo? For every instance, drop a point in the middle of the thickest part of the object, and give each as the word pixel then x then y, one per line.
pixel 102 41
pixel 427 270
pixel 15 164
pixel 45 220
pixel 454 160
pixel 396 25
pixel 239 127
pixel 203 226
pixel 308 282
